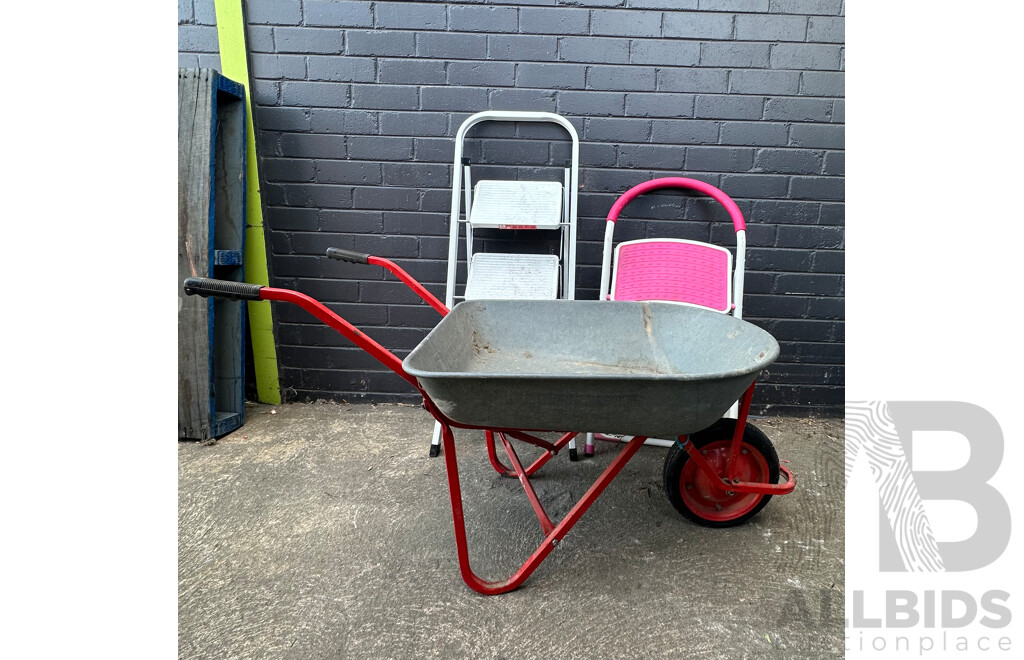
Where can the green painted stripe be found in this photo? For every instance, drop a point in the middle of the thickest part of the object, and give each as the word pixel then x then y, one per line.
pixel 231 35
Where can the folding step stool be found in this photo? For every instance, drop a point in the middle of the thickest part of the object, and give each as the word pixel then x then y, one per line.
pixel 512 205
pixel 673 270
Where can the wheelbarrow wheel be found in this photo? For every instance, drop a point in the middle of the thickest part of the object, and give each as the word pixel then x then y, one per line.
pixel 690 490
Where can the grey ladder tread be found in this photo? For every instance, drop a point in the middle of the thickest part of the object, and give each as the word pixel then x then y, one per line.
pixel 498 276
pixel 517 205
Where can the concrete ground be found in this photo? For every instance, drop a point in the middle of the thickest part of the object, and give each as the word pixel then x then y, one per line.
pixel 324 531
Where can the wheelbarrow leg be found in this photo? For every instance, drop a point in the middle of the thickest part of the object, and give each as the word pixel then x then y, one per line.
pixel 552 539
pixel 496 463
pixel 500 467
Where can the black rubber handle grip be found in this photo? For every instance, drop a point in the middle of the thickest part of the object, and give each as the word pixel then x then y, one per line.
pixel 348 255
pixel 203 286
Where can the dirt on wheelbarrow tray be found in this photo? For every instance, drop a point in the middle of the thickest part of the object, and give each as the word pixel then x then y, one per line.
pixel 324 531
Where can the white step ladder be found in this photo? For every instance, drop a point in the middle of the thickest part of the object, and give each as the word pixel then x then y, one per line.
pixel 512 205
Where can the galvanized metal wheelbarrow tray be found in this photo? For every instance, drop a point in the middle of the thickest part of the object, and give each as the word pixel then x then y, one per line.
pixel 505 366
pixel 654 369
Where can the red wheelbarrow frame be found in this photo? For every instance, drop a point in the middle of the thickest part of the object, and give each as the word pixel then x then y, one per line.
pixel 554 532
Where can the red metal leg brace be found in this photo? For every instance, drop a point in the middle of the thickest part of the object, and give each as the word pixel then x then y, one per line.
pixel 554 535
pixel 552 450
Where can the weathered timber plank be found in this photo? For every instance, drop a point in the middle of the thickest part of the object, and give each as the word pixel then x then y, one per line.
pixel 195 140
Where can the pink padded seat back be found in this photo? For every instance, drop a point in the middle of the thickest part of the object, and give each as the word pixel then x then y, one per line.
pixel 674 271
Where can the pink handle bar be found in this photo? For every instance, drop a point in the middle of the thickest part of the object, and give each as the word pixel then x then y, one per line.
pixel 679 182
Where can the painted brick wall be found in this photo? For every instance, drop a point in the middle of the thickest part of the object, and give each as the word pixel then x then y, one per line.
pixel 357 104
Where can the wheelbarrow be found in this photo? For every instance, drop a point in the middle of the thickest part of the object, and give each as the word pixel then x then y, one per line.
pixel 508 367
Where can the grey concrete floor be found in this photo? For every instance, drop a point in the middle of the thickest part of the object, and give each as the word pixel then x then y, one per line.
pixel 324 531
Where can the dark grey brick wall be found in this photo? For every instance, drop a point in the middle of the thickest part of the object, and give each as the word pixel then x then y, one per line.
pixel 357 103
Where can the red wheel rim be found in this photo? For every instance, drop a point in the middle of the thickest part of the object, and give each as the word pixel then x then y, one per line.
pixel 712 504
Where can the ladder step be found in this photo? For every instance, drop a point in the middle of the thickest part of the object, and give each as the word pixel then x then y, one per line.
pixel 517 205
pixel 497 276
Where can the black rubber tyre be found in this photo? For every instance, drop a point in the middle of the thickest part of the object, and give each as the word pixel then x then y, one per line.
pixel 704 506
